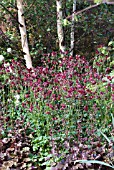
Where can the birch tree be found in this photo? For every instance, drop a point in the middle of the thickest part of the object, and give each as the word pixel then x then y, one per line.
pixel 22 28
pixel 60 30
pixel 72 28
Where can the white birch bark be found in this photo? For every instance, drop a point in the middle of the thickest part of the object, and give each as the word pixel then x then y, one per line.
pixel 60 30
pixel 72 29
pixel 22 28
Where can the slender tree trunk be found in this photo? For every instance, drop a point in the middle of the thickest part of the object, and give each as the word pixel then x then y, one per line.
pixel 72 29
pixel 60 30
pixel 23 33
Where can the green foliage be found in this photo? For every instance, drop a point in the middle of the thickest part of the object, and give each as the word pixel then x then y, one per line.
pixel 110 141
pixel 90 30
pixel 57 102
pixel 97 1
pixel 67 99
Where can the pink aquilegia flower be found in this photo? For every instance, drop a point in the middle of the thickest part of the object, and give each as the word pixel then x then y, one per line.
pixel 112 97
pixel 86 108
pixel 31 108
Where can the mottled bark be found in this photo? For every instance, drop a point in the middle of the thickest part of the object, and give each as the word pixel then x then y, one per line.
pixel 72 28
pixel 23 33
pixel 60 30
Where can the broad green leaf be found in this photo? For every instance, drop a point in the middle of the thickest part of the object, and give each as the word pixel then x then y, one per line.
pixel 111 43
pixel 66 22
pixel 112 120
pixel 48 168
pixel 97 1
pixel 94 162
pixel 105 136
pixel 76 18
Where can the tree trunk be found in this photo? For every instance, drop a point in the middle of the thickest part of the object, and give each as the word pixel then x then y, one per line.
pixel 72 29
pixel 60 30
pixel 23 33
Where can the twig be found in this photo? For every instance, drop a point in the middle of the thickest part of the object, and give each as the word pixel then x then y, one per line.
pixel 88 8
pixel 17 22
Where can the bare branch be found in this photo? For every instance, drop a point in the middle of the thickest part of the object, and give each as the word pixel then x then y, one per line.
pixel 17 22
pixel 88 8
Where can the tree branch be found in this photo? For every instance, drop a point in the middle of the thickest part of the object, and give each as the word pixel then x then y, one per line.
pixel 11 14
pixel 88 8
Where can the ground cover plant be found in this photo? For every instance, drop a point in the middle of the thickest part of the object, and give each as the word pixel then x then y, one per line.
pixel 58 114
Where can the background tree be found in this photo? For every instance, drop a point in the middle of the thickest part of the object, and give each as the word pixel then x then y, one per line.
pixel 60 30
pixel 23 33
pixel 41 24
pixel 72 28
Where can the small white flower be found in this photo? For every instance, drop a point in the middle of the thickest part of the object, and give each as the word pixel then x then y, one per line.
pixel 6 65
pixel 9 50
pixel 1 58
pixel 17 97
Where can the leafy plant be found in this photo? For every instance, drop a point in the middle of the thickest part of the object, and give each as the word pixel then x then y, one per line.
pixel 56 101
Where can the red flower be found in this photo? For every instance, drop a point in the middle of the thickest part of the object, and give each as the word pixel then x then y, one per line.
pixel 86 108
pixel 51 106
pixel 112 97
pixel 26 95
pixel 48 113
pixel 31 108
pixel 63 106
